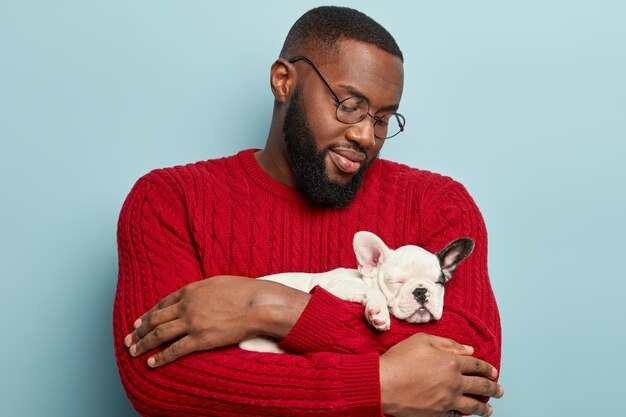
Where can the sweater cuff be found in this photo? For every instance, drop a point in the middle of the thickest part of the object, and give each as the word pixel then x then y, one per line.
pixel 316 328
pixel 360 374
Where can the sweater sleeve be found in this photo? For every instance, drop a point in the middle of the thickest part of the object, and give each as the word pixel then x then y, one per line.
pixel 470 313
pixel 156 257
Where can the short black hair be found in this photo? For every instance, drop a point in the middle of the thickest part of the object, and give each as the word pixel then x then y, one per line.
pixel 323 27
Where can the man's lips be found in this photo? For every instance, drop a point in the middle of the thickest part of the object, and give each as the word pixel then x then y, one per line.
pixel 346 159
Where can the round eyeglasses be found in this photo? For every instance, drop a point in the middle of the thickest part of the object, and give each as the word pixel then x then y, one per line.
pixel 356 108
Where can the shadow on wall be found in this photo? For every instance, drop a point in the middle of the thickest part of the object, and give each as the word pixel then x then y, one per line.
pixel 113 396
pixel 95 370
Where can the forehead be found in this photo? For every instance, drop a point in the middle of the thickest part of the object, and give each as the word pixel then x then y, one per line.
pixel 412 262
pixel 367 69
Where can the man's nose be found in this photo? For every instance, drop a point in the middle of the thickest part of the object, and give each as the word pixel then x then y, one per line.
pixel 362 133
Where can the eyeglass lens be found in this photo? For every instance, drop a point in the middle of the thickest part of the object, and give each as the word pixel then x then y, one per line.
pixel 354 109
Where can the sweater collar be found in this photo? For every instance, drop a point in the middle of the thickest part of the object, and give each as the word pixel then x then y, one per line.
pixel 263 180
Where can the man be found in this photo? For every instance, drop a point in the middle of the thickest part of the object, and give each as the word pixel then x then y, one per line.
pixel 198 232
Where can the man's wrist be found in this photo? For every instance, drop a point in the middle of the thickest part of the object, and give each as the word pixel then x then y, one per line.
pixel 384 386
pixel 277 308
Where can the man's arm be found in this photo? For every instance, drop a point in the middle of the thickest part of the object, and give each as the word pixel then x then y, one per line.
pixel 156 255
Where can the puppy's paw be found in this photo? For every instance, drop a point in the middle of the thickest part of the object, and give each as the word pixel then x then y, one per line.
pixel 378 317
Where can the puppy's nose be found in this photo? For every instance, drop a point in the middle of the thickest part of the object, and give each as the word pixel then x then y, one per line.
pixel 420 295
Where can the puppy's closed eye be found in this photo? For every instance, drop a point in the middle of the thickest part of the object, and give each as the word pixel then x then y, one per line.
pixel 392 280
pixel 442 280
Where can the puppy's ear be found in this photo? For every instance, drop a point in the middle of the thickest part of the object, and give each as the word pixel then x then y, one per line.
pixel 451 256
pixel 370 251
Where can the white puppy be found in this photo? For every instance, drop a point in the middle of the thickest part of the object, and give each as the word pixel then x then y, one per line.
pixel 408 282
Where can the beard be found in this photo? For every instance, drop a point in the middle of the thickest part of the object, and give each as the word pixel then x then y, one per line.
pixel 309 166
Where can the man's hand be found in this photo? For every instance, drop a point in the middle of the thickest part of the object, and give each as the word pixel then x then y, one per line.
pixel 215 312
pixel 430 376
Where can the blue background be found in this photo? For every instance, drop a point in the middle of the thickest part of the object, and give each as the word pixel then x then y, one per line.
pixel 522 101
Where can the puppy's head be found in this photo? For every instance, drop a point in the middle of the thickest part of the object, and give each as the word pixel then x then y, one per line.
pixel 411 278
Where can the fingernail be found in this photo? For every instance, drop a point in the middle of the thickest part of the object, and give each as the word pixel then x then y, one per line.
pixel 151 362
pixel 500 391
pixel 137 323
pixel 128 340
pixel 494 373
pixel 468 347
pixel 490 410
pixel 133 350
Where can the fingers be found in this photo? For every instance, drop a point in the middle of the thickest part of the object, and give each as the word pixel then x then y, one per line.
pixel 161 334
pixel 471 406
pixel 183 347
pixel 477 367
pixel 475 385
pixel 170 300
pixel 149 322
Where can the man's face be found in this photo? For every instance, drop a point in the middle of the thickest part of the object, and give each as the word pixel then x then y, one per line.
pixel 309 164
pixel 329 158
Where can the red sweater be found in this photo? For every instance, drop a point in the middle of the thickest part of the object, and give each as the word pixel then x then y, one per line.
pixel 228 217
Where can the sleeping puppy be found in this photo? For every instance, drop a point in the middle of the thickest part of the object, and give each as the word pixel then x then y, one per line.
pixel 407 282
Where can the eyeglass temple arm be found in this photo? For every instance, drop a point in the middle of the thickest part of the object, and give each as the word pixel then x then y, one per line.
pixel 308 61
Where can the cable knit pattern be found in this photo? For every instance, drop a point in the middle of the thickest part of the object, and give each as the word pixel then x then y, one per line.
pixel 227 216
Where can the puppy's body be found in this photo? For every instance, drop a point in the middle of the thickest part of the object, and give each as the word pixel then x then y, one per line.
pixel 408 282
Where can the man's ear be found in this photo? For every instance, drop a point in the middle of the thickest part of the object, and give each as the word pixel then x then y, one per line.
pixel 451 256
pixel 370 252
pixel 283 79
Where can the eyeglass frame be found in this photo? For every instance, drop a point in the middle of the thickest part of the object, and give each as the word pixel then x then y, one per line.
pixel 401 118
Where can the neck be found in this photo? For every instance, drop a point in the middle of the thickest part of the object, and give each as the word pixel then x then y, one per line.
pixel 273 158
pixel 275 166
